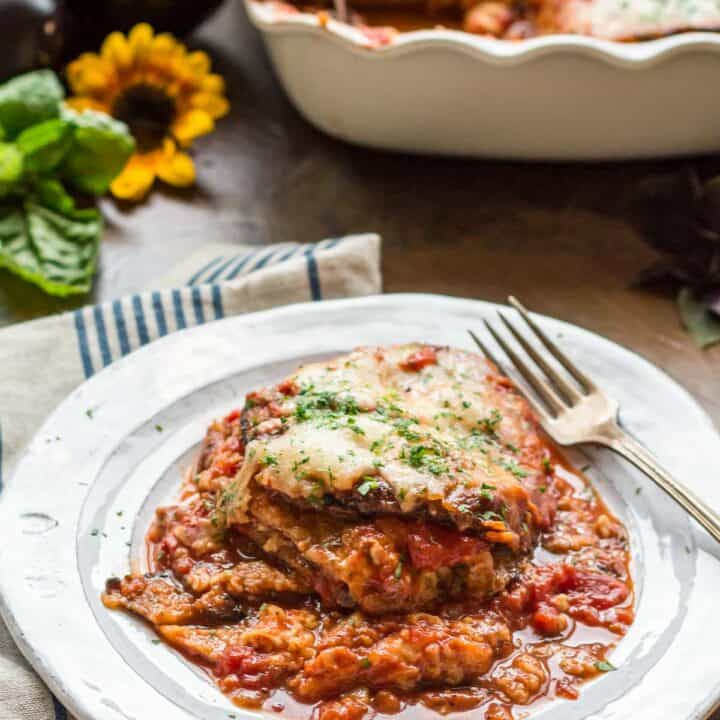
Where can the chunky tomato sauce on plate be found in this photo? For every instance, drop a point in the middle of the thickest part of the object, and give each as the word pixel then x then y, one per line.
pixel 386 533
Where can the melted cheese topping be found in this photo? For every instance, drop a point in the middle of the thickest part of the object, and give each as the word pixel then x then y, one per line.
pixel 363 419
pixel 628 19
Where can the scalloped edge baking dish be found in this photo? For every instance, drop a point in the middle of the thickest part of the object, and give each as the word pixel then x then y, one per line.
pixel 560 97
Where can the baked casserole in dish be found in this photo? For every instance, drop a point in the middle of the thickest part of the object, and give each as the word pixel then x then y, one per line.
pixel 550 80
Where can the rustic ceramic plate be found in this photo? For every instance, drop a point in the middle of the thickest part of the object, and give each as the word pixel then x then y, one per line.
pixel 83 495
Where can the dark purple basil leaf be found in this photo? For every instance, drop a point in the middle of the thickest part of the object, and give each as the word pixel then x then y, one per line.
pixel 701 322
pixel 668 212
pixel 664 210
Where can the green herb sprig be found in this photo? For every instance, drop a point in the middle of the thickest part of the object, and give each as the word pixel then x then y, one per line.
pixel 44 146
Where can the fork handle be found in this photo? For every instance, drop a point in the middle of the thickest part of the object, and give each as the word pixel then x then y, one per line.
pixel 643 459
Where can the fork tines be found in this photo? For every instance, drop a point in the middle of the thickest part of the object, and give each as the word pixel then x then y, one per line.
pixel 555 391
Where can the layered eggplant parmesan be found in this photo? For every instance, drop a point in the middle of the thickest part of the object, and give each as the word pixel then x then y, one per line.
pixel 620 20
pixel 382 532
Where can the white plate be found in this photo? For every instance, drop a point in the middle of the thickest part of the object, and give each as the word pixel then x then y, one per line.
pixel 107 474
pixel 558 97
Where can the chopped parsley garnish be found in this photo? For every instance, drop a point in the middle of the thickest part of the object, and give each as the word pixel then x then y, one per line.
pixel 490 515
pixel 89 413
pixel 490 424
pixel 369 483
pixel 424 457
pixel 311 403
pixel 365 663
pixel 486 491
pixel 269 460
pixel 605 666
pixel 542 488
pixel 159 428
pixel 403 430
pixel 466 404
pixel 298 463
pixel 515 469
pixel 547 467
pixel 398 570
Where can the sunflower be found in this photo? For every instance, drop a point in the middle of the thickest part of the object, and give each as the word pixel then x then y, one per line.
pixel 166 95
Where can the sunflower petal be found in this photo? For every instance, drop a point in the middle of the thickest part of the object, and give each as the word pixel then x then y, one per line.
pixel 177 169
pixel 90 75
pixel 215 105
pixel 140 39
pixel 191 125
pixel 116 51
pixel 213 83
pixel 199 62
pixel 136 178
pixel 81 103
pixel 165 45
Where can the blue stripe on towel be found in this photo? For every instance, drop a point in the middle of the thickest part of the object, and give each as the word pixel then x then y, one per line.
pixel 243 262
pixel 289 254
pixel 195 277
pixel 179 312
pixel 60 711
pixel 83 343
pixel 197 306
pixel 265 260
pixel 159 311
pixel 313 276
pixel 217 302
pixel 331 244
pixel 140 320
pixel 102 335
pixel 219 271
pixel 121 327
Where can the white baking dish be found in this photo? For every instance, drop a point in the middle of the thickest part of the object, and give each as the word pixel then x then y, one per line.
pixel 448 92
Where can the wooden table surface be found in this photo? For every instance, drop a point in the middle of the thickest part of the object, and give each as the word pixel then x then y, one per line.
pixel 553 234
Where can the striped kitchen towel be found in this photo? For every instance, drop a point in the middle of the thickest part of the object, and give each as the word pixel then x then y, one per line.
pixel 44 360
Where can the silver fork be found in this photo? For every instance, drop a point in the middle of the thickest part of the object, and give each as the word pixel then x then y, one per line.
pixel 579 412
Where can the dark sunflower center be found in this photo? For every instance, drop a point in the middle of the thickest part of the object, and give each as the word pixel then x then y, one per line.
pixel 148 112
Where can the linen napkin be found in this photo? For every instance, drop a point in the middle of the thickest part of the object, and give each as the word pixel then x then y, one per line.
pixel 42 361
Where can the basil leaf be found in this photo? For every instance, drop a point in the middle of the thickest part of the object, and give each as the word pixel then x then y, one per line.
pixel 49 242
pixel 11 167
pixel 101 147
pixel 44 145
pixel 29 99
pixel 698 317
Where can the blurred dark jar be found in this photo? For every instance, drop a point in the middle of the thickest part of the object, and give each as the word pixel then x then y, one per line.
pixel 31 35
pixel 43 33
pixel 90 21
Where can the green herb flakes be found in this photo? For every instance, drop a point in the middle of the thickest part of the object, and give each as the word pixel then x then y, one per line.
pixel 605 666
